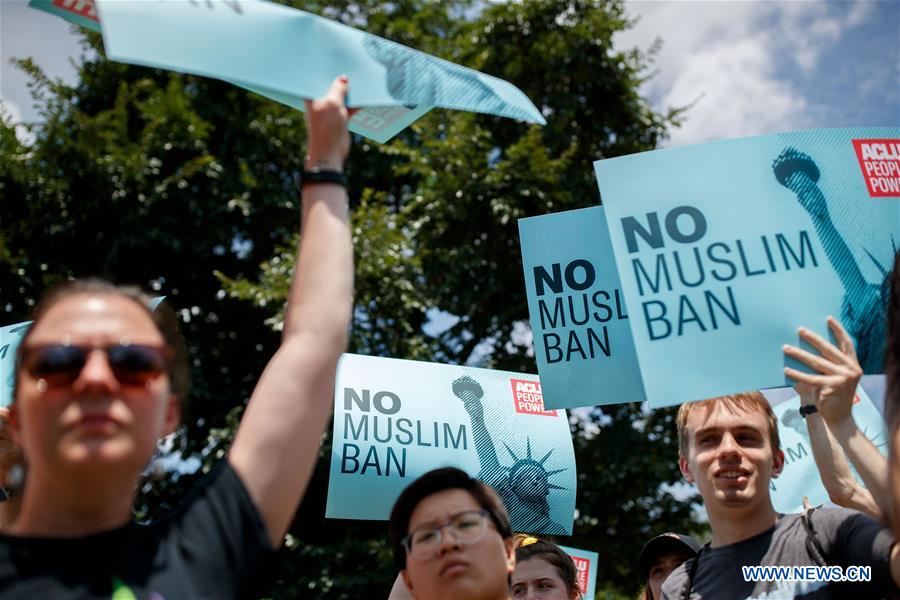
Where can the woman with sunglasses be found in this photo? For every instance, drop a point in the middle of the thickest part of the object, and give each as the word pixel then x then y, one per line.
pixel 451 538
pixel 99 381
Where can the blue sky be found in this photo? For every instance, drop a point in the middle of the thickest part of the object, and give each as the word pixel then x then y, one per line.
pixel 748 67
pixel 759 67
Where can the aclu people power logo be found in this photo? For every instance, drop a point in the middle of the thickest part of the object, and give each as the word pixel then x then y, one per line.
pixel 529 398
pixel 583 567
pixel 879 161
pixel 82 8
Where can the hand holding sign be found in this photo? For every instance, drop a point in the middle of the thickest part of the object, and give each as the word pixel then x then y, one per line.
pixel 326 122
pixel 834 390
pixel 834 387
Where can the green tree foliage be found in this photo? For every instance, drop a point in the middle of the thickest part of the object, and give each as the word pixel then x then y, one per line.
pixel 185 185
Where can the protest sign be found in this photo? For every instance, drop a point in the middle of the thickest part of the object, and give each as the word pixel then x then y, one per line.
pixel 80 12
pixel 800 476
pixel 394 420
pixel 290 55
pixel 725 248
pixel 10 336
pixel 586 563
pixel 582 340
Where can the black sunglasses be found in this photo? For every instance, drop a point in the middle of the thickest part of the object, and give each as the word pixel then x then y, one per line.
pixel 61 364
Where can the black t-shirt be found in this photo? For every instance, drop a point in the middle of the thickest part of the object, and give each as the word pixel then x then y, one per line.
pixel 848 538
pixel 214 546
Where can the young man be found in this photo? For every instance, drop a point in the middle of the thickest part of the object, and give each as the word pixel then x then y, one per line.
pixel 451 538
pixel 729 448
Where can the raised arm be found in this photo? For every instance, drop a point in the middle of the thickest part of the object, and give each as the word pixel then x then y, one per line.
pixel 834 470
pixel 277 443
pixel 833 389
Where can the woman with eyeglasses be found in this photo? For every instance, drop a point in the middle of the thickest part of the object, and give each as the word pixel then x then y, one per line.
pixel 451 538
pixel 100 379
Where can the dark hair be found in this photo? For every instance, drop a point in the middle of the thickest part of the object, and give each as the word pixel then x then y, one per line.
pixel 553 554
pixel 433 482
pixel 163 317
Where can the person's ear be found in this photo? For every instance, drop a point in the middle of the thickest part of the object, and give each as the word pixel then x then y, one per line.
pixel 10 417
pixel 685 469
pixel 777 463
pixel 509 546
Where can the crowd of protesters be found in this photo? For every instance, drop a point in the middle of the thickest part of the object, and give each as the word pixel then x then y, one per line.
pixel 101 377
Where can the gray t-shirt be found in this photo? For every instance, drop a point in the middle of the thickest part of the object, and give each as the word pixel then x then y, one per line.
pixel 848 538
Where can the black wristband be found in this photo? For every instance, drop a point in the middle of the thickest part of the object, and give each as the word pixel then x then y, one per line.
pixel 317 175
pixel 808 410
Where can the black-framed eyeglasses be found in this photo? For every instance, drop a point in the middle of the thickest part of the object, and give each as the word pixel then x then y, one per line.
pixel 467 527
pixel 61 364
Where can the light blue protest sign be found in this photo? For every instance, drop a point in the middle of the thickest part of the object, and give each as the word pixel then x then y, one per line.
pixel 725 248
pixel 287 54
pixel 395 420
pixel 586 564
pixel 582 340
pixel 800 476
pixel 10 337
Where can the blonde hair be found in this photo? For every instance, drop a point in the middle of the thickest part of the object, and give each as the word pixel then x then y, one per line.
pixel 743 402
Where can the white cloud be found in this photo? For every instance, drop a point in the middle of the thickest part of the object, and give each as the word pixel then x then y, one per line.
pixel 740 61
pixel 28 32
pixel 10 109
pixel 737 94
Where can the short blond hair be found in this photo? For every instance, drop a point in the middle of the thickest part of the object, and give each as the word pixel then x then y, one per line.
pixel 745 401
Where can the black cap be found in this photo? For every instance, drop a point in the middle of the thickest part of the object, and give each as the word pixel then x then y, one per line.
pixel 667 542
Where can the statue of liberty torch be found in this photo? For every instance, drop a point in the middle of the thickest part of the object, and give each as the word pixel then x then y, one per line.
pixel 525 485
pixel 863 306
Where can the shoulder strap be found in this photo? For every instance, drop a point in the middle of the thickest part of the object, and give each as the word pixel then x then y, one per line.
pixel 813 546
pixel 692 572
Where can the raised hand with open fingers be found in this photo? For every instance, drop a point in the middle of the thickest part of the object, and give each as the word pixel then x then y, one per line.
pixel 838 372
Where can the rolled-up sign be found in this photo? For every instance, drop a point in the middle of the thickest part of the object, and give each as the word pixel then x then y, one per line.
pixel 290 55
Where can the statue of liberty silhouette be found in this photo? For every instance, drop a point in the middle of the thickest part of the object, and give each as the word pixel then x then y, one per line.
pixel 525 485
pixel 417 78
pixel 863 307
pixel 10 348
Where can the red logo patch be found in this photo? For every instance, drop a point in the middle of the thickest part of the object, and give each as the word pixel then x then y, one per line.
pixel 879 161
pixel 584 567
pixel 82 8
pixel 529 398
